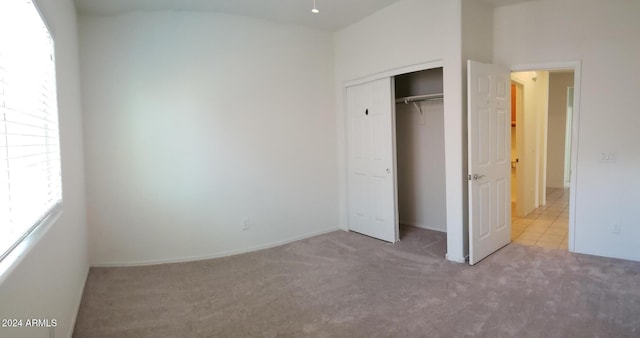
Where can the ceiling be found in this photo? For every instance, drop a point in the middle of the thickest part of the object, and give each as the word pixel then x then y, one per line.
pixel 334 14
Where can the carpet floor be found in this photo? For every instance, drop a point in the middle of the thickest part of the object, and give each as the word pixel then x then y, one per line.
pixel 347 285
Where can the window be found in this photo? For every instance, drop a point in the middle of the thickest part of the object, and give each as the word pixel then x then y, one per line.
pixel 30 184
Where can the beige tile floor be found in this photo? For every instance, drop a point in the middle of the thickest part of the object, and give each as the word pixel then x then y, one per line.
pixel 546 226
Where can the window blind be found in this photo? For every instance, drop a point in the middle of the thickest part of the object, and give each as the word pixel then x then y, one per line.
pixel 30 183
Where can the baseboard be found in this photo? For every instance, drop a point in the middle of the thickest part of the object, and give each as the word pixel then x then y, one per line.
pixel 424 227
pixel 74 317
pixel 600 254
pixel 215 255
pixel 455 259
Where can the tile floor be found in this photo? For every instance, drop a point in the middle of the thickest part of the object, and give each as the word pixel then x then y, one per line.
pixel 546 226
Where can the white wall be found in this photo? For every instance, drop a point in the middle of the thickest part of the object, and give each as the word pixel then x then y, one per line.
pixel 477 45
pixel 477 32
pixel 408 33
pixel 557 122
pixel 421 172
pixel 47 282
pixel 604 36
pixel 196 121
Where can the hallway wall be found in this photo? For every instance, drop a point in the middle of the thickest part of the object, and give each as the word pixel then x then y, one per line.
pixel 532 143
pixel 557 122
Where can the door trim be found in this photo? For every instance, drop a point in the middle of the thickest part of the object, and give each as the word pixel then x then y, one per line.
pixel 575 128
pixel 395 71
pixel 519 145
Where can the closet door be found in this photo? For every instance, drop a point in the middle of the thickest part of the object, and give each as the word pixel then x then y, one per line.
pixel 371 160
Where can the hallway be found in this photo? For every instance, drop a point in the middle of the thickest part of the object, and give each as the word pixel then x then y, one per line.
pixel 546 226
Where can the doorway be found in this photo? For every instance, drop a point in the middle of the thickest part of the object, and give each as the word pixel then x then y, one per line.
pixel 542 120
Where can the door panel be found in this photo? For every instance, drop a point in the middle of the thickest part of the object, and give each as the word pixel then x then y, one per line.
pixel 489 159
pixel 371 172
pixel 484 217
pixel 503 202
pixel 501 138
pixel 357 163
pixel 483 144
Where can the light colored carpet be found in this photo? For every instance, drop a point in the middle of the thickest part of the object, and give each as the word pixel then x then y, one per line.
pixel 348 285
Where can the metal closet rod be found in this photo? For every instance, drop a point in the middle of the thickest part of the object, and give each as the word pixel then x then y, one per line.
pixel 427 97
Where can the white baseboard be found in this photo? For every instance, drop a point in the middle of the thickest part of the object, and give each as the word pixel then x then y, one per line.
pixel 74 317
pixel 214 255
pixel 600 254
pixel 413 224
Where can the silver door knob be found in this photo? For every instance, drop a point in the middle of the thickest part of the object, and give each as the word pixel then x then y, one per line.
pixel 477 177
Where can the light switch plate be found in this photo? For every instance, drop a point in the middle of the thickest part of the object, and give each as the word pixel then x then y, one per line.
pixel 608 157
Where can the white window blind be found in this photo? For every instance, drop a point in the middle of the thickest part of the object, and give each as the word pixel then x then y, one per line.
pixel 30 184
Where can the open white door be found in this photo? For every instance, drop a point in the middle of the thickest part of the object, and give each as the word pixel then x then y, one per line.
pixel 371 160
pixel 489 122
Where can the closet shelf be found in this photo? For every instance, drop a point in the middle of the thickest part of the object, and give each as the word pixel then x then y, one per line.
pixel 427 97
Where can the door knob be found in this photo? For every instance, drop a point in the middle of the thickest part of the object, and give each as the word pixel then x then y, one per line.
pixel 477 177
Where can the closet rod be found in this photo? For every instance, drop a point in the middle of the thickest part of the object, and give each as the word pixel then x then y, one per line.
pixel 427 97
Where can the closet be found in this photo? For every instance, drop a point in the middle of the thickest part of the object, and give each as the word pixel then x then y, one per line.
pixel 419 111
pixel 395 154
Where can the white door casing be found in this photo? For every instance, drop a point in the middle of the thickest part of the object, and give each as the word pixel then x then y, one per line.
pixel 489 139
pixel 371 160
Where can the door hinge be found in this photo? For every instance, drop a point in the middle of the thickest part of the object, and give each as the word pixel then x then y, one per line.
pixel 466 259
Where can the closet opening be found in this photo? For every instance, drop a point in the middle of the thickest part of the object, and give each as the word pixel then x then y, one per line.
pixel 420 153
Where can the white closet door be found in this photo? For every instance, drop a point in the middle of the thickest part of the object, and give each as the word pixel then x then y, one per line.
pixel 489 128
pixel 371 160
